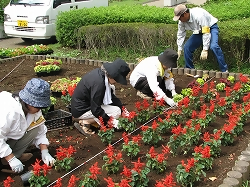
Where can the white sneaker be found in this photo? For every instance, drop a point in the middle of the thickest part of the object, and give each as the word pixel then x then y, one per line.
pixel 143 96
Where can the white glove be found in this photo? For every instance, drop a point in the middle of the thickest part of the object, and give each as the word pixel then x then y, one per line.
pixel 125 112
pixel 115 123
pixel 16 165
pixel 170 101
pixel 173 93
pixel 204 54
pixel 47 158
pixel 179 54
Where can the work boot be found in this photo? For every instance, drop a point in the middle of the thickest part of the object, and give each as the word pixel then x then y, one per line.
pixel 143 96
pixel 23 158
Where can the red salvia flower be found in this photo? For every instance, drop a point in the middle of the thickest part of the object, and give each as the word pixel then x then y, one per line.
pixel 228 91
pixel 206 137
pixel 131 115
pixel 138 165
pixel 126 172
pixel 94 170
pixel 177 130
pixel 64 92
pixel 124 183
pixel 186 101
pixel 154 125
pixel 237 86
pixel 36 168
pixel 58 183
pixel 211 108
pixel 189 123
pixel 222 102
pixel 138 106
pixel 125 138
pixel 205 88
pixel 243 79
pixel 194 114
pixel 144 128
pixel 169 180
pixel 160 120
pixel 202 114
pixel 72 181
pixel 6 182
pixel 212 84
pixel 160 158
pixel 152 152
pixel 165 149
pixel 234 107
pixel 110 182
pixel 206 152
pixel 46 169
pixel 217 135
pixel 145 104
pixel 184 131
pixel 159 184
pixel 197 127
pixel 197 149
pixel 195 91
pixel 203 107
pixel 137 138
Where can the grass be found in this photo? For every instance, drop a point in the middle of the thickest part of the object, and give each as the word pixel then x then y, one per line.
pixel 127 2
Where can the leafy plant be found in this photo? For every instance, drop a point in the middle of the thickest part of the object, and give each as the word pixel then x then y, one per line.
pixel 106 132
pixel 39 174
pixel 151 134
pixel 64 158
pixel 90 178
pixel 6 182
pixel 132 148
pixel 112 160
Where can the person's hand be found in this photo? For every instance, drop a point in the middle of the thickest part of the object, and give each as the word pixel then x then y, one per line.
pixel 47 158
pixel 179 54
pixel 170 101
pixel 204 55
pixel 125 112
pixel 115 123
pixel 16 165
pixel 173 93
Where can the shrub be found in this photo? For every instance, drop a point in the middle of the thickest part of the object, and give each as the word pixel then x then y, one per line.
pixel 3 4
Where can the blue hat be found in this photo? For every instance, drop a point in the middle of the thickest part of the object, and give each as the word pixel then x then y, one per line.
pixel 36 93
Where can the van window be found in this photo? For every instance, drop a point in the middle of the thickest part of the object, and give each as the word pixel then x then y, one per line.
pixel 30 2
pixel 59 2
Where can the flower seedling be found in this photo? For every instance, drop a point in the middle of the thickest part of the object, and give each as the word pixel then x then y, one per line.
pixel 39 174
pixel 64 158
pixel 90 178
pixel 132 148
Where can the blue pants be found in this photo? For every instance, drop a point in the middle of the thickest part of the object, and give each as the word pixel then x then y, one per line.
pixel 196 41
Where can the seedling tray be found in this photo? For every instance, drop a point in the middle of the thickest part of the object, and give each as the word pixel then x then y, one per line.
pixel 58 119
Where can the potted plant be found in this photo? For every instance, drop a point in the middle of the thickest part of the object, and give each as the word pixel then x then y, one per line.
pixel 3 4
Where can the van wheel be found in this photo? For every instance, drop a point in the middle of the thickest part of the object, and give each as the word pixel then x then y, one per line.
pixel 27 39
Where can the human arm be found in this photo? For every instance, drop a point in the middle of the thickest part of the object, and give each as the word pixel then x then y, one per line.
pixel 181 34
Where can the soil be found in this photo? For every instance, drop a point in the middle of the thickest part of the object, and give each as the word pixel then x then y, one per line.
pixel 87 147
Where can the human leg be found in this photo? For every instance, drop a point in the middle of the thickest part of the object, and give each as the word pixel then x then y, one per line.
pixel 190 46
pixel 214 46
pixel 143 86
pixel 19 146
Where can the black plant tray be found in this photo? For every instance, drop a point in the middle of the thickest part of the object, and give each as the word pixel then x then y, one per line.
pixel 58 119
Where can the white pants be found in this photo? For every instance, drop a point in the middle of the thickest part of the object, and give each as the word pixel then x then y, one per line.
pixel 110 110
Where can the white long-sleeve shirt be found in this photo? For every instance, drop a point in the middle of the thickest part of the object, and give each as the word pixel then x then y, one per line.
pixel 198 18
pixel 150 68
pixel 14 123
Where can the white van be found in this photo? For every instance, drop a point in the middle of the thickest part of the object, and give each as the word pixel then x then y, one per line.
pixel 36 19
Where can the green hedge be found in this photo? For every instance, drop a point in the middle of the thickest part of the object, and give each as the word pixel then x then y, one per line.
pixel 69 22
pixel 3 4
pixel 148 39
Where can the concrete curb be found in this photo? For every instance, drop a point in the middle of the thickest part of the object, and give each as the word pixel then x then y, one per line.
pixel 176 71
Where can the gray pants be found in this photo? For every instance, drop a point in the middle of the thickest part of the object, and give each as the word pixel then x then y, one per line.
pixel 19 146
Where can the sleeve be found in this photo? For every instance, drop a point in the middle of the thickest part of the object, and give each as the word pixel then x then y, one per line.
pixel 153 83
pixel 41 136
pixel 6 124
pixel 97 95
pixel 204 23
pixel 181 34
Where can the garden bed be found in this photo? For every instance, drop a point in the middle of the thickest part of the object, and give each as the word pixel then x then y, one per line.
pixel 89 146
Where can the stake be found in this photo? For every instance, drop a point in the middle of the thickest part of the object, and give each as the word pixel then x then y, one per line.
pixel 12 70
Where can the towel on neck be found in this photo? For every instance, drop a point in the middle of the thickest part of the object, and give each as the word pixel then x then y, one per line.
pixel 107 96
